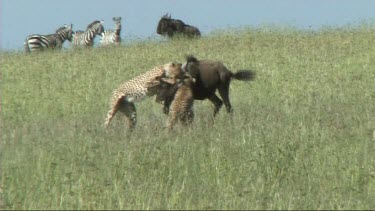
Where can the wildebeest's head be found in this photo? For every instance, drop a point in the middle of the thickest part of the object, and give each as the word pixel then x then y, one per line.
pixel 172 71
pixel 165 87
pixel 191 66
pixel 169 27
pixel 164 25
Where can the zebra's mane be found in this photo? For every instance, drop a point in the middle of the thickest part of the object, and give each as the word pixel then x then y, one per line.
pixel 63 28
pixel 94 23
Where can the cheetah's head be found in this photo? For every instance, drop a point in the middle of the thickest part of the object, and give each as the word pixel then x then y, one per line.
pixel 173 70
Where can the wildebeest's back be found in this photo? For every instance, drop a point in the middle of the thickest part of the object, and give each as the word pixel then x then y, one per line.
pixel 209 72
pixel 207 78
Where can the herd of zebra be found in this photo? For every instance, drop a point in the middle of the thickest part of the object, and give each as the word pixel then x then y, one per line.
pixel 78 38
pixel 166 27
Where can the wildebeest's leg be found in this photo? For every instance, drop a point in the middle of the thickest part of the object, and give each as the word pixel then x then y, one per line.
pixel 167 104
pixel 217 102
pixel 128 109
pixel 224 93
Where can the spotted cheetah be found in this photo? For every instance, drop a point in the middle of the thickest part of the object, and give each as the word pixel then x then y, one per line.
pixel 136 89
pixel 180 93
pixel 182 104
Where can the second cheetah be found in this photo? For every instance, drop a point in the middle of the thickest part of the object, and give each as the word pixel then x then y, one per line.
pixel 180 92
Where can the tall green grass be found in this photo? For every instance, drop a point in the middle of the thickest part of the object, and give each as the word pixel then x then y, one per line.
pixel 301 137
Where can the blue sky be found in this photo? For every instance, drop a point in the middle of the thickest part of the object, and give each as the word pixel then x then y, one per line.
pixel 20 18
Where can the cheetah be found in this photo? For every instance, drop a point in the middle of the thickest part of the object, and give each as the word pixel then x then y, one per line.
pixel 136 89
pixel 180 92
pixel 182 104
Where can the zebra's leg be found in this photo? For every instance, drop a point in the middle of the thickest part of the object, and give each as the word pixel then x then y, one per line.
pixel 129 110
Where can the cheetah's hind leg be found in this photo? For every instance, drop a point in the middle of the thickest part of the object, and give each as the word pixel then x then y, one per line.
pixel 129 110
pixel 187 117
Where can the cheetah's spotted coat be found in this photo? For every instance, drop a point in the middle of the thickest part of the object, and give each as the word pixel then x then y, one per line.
pixel 180 90
pixel 135 90
pixel 182 104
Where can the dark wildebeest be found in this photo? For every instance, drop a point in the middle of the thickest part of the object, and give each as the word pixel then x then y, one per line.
pixel 209 77
pixel 170 27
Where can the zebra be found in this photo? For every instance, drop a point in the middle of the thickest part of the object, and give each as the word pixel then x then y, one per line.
pixel 112 36
pixel 86 38
pixel 37 42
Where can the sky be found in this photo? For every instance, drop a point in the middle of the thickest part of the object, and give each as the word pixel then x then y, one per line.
pixel 20 18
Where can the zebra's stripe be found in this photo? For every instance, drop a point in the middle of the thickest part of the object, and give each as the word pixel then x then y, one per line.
pixel 86 38
pixel 40 42
pixel 112 36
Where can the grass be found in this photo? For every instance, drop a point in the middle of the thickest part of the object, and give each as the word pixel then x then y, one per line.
pixel 301 137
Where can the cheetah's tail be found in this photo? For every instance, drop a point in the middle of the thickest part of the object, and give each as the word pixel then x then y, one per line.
pixel 110 115
pixel 114 108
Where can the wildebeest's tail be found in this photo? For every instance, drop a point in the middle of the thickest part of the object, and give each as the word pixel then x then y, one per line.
pixel 244 75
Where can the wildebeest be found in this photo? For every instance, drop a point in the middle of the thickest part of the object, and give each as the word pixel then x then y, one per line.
pixel 170 27
pixel 209 76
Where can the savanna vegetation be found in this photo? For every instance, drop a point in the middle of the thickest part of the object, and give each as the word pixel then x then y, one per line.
pixel 301 135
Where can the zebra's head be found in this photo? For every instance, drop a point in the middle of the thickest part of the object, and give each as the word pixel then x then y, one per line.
pixel 65 32
pixel 96 26
pixel 117 19
pixel 70 33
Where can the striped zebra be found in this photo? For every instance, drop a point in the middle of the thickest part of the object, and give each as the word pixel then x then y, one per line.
pixel 86 38
pixel 112 36
pixel 37 42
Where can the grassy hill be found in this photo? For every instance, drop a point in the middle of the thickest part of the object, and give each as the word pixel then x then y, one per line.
pixel 302 135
